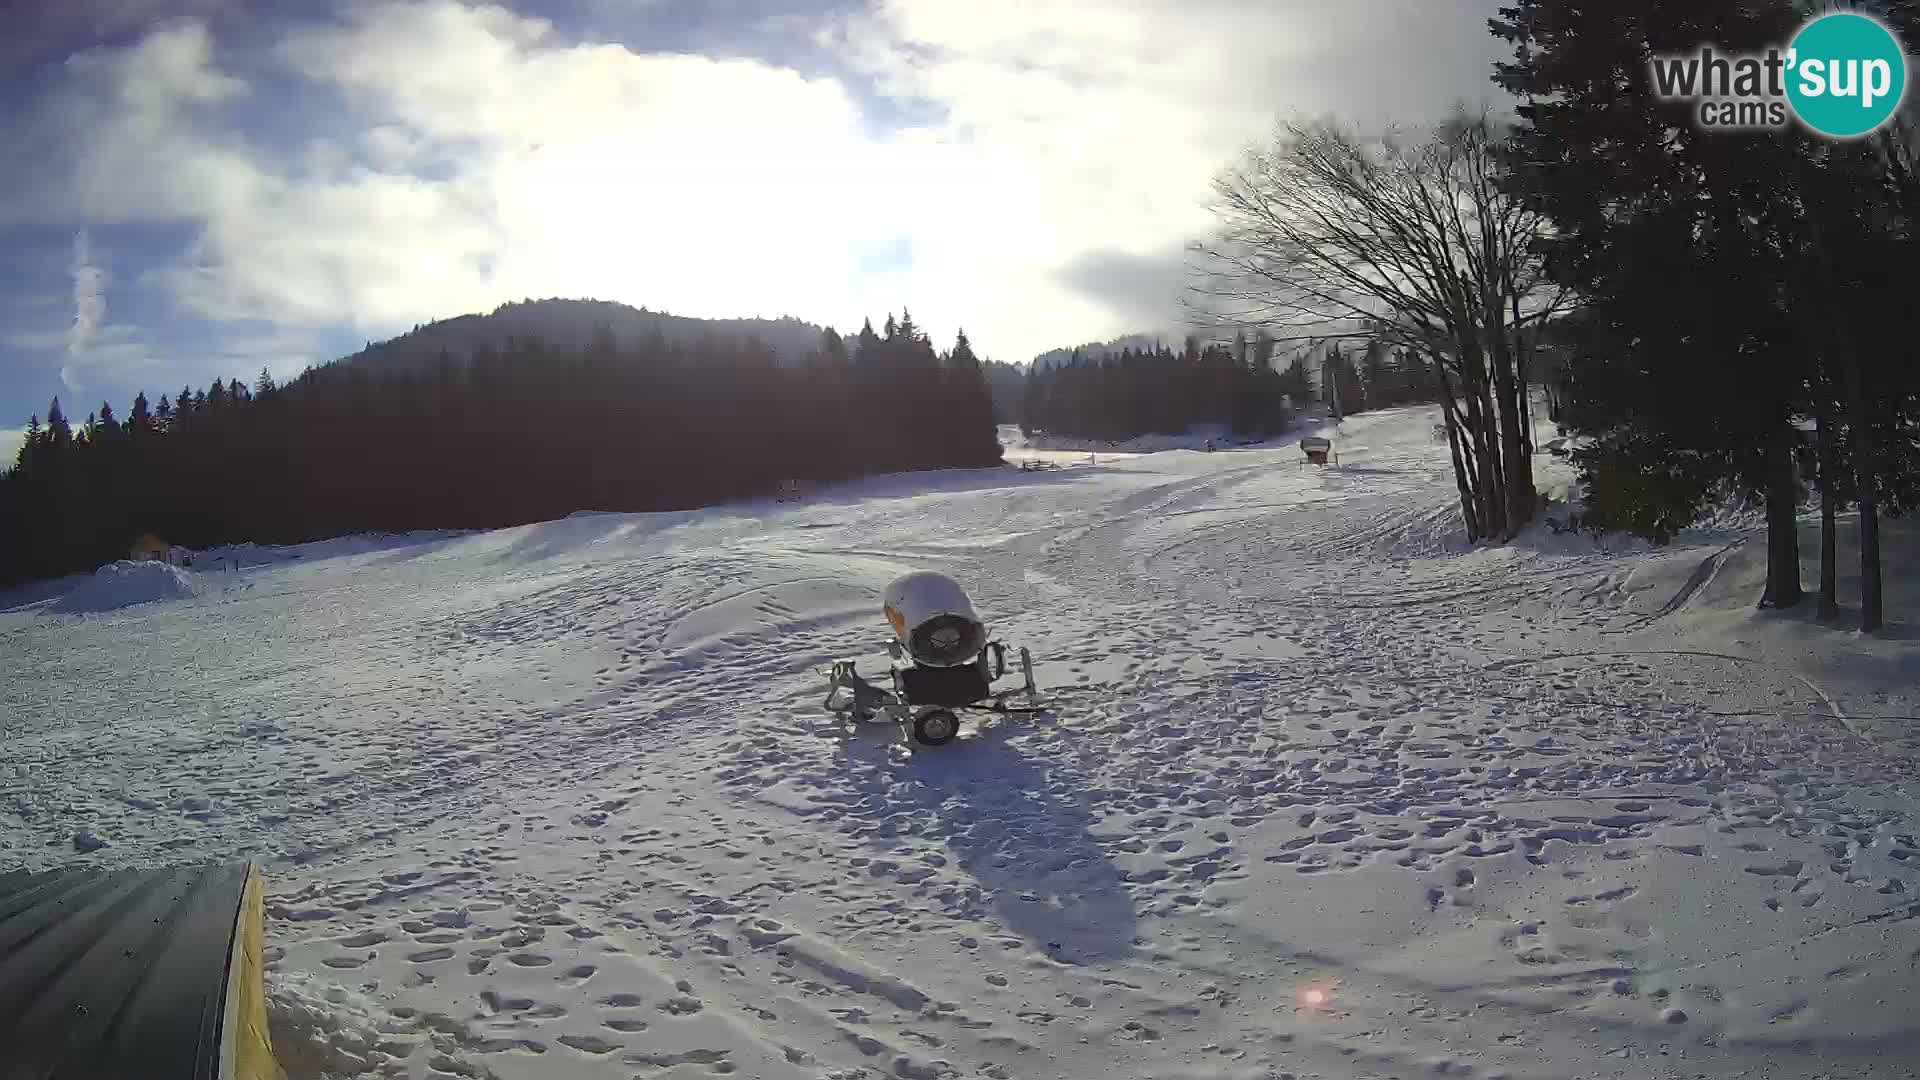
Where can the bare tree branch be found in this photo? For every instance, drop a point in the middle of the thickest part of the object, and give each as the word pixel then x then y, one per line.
pixel 1328 234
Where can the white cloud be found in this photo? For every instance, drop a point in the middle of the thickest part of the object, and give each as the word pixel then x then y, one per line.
pixel 89 307
pixel 1087 130
pixel 124 138
pixel 54 30
pixel 169 69
pixel 493 164
pixel 489 158
pixel 11 440
pixel 94 351
pixel 283 353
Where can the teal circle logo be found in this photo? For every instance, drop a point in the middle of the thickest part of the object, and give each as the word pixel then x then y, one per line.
pixel 1847 75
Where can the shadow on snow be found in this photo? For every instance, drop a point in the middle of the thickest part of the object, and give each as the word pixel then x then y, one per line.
pixel 1009 825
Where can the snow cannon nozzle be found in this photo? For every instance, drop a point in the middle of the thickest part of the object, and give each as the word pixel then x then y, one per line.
pixel 934 619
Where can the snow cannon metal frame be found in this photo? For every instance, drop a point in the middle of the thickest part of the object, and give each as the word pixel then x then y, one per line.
pixel 951 665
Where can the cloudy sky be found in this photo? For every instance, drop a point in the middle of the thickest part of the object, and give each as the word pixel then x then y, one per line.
pixel 202 188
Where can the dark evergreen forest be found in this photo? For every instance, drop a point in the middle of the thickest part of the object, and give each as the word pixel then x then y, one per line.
pixel 1117 396
pixel 502 437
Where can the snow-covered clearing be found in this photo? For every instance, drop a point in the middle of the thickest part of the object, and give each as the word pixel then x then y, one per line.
pixel 1042 445
pixel 1325 794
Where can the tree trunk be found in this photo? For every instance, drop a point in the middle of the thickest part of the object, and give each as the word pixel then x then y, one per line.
pixel 1860 419
pixel 1486 483
pixel 1462 475
pixel 1517 469
pixel 1863 477
pixel 1783 537
pixel 1829 592
pixel 1492 467
pixel 1489 488
pixel 1523 350
pixel 1488 428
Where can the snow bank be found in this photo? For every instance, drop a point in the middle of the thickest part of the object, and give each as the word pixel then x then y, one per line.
pixel 124 584
pixel 247 555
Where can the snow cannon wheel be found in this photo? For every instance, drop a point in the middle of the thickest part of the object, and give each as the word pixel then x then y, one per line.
pixel 936 727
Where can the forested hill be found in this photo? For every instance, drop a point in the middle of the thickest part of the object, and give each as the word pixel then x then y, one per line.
pixel 1094 350
pixel 525 432
pixel 573 324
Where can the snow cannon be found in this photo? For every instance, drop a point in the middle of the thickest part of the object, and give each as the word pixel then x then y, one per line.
pixel 950 664
pixel 934 620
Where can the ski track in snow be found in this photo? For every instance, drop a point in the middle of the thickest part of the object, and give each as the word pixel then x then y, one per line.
pixel 1323 791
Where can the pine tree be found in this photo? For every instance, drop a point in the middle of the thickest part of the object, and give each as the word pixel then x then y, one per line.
pixel 58 430
pixel 1263 346
pixel 976 441
pixel 1683 385
pixel 1032 401
pixel 1376 387
pixel 1296 383
pixel 31 446
pixel 1862 213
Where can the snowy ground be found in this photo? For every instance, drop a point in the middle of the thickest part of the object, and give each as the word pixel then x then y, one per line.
pixel 1324 793
pixel 1040 444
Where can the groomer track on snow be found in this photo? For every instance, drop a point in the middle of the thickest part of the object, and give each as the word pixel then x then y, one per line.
pixel 952 664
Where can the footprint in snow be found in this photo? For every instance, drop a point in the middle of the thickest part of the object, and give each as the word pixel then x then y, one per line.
pixel 589 1044
pixel 682 1005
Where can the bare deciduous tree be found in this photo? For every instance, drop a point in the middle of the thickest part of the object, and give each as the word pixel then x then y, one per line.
pixel 1331 234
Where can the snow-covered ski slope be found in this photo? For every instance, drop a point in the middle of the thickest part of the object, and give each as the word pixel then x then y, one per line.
pixel 1326 793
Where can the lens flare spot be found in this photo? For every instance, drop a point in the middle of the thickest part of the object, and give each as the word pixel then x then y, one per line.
pixel 1314 997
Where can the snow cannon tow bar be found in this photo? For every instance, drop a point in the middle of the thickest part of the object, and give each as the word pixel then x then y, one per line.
pixel 951 664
